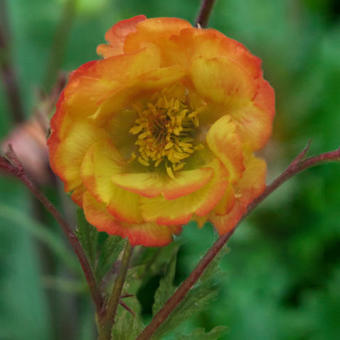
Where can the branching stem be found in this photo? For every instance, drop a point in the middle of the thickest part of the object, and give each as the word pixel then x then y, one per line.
pixel 106 320
pixel 298 165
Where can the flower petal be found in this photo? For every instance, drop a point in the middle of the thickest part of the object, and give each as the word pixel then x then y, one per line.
pixel 255 120
pixel 155 31
pixel 100 163
pixel 224 142
pixel 122 97
pixel 209 44
pixel 67 155
pixel 77 195
pixel 151 234
pixel 146 234
pixel 226 203
pixel 251 185
pixel 91 86
pixel 97 215
pixel 116 35
pixel 253 125
pixel 152 184
pixel 180 210
pixel 222 81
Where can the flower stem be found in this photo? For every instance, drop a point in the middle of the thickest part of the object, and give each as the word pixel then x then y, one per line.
pixel 106 321
pixel 204 13
pixel 298 165
pixel 12 166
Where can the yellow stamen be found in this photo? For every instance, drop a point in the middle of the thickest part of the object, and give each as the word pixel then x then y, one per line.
pixel 165 130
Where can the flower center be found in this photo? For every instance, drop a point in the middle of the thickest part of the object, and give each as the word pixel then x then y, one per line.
pixel 165 130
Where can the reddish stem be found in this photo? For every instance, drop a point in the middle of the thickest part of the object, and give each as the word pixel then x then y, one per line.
pixel 298 165
pixel 204 13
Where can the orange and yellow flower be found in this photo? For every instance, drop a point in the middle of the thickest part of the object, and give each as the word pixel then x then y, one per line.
pixel 163 130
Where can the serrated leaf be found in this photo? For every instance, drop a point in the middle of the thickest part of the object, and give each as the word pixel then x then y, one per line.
pixel 196 300
pixel 108 253
pixel 87 235
pixel 200 334
pixel 128 326
pixel 214 270
pixel 166 287
pixel 156 259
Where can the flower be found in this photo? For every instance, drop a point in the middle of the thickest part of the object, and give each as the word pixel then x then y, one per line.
pixel 163 130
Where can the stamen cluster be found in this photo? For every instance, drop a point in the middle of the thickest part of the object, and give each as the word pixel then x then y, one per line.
pixel 165 130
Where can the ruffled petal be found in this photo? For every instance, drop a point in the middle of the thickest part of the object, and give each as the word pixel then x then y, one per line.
pixel 100 163
pixel 180 210
pixel 194 43
pixel 151 234
pixel 152 184
pixel 155 31
pixel 224 142
pixel 66 155
pixel 77 195
pixel 253 125
pixel 226 203
pixel 116 35
pixel 101 80
pixel 97 215
pixel 251 185
pixel 146 234
pixel 139 86
pixel 222 81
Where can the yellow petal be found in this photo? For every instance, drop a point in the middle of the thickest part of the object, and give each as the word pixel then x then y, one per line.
pixel 66 155
pixel 247 189
pixel 180 210
pixel 146 234
pixel 224 142
pixel 101 162
pixel 222 81
pixel 122 97
pixel 152 184
pixel 95 82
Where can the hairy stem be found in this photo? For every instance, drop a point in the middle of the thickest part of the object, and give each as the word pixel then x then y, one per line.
pixel 12 166
pixel 298 165
pixel 204 13
pixel 107 319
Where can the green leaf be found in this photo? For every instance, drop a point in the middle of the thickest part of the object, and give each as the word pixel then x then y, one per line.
pixel 166 287
pixel 156 259
pixel 87 235
pixel 196 300
pixel 128 326
pixel 200 334
pixel 108 253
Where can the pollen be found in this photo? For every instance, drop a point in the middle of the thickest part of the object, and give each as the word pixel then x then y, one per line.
pixel 165 132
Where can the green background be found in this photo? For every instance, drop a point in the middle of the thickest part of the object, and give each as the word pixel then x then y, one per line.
pixel 281 277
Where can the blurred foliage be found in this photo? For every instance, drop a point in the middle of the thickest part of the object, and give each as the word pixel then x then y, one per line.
pixel 281 278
